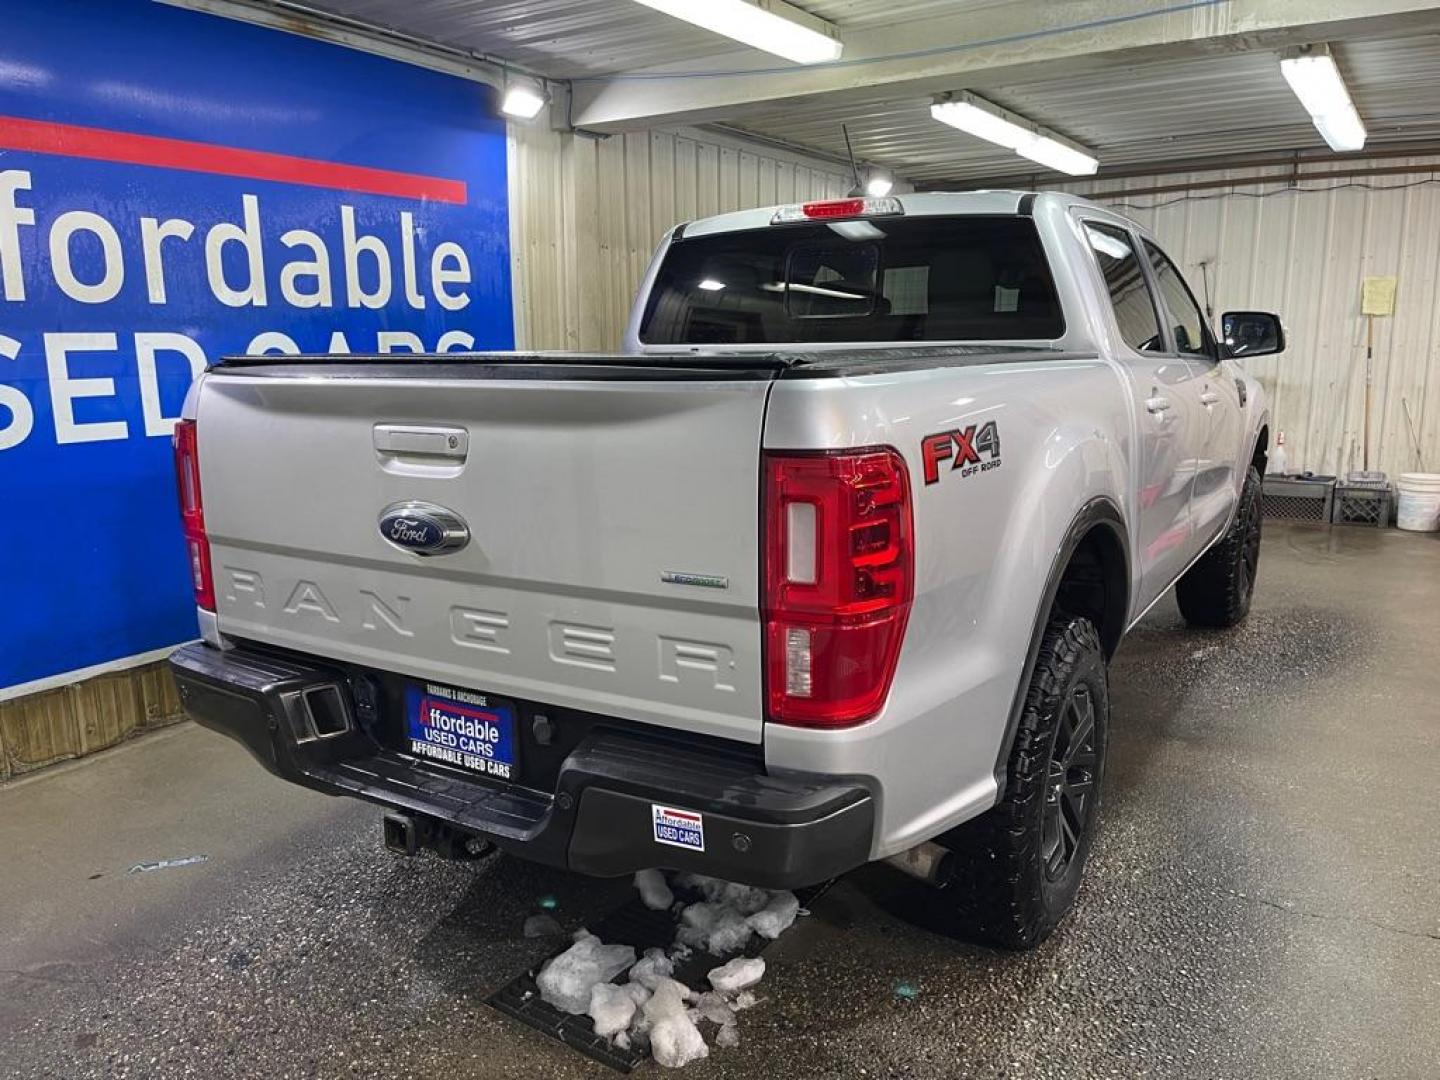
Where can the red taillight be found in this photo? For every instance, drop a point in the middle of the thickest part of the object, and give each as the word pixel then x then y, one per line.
pixel 192 513
pixel 838 583
pixel 835 208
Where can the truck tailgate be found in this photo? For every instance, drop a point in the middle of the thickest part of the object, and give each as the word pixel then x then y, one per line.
pixel 613 558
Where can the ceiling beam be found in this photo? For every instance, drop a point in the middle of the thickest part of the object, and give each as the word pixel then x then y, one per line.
pixel 1291 181
pixel 1010 43
pixel 1296 161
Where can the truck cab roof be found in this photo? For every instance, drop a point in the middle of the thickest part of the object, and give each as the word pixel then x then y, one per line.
pixel 917 204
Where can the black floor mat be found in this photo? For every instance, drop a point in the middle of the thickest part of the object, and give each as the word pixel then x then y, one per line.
pixel 520 999
pixel 630 924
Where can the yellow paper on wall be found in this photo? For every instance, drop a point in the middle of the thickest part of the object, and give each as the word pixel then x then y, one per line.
pixel 1377 296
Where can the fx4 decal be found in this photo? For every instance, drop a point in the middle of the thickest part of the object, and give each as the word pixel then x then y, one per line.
pixel 963 449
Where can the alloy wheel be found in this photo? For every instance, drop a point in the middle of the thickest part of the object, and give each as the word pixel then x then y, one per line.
pixel 1250 550
pixel 1070 783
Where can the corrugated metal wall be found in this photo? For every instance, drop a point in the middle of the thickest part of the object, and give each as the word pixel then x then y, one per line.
pixel 1304 254
pixel 587 213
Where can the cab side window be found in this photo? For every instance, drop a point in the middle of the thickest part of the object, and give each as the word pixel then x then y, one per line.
pixel 1129 293
pixel 1191 336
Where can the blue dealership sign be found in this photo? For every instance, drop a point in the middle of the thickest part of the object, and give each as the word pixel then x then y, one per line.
pixel 175 187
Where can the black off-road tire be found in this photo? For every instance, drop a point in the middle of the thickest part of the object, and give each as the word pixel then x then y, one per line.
pixel 1011 886
pixel 1216 591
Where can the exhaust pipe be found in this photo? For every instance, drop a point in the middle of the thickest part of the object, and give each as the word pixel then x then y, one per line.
pixel 929 862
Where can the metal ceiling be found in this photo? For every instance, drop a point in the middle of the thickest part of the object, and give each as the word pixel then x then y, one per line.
pixel 1228 104
pixel 1222 104
pixel 570 38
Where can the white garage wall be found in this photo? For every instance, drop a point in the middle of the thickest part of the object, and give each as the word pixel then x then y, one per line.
pixel 1303 254
pixel 587 213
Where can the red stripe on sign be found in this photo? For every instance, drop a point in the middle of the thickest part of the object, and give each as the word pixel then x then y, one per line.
pixel 473 711
pixel 680 814
pixel 127 148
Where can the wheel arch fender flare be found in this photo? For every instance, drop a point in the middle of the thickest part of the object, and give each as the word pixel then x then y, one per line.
pixel 1258 437
pixel 1101 513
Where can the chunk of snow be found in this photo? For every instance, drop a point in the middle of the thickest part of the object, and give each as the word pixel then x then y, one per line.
pixel 652 1012
pixel 731 932
pixel 717 928
pixel 565 980
pixel 611 1008
pixel 541 926
pixel 675 1041
pixel 747 899
pixel 696 922
pixel 699 916
pixel 775 917
pixel 653 890
pixel 653 967
pixel 695 881
pixel 638 993
pixel 669 995
pixel 712 1006
pixel 739 974
pixel 724 921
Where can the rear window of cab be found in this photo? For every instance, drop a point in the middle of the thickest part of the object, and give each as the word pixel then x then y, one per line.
pixel 867 279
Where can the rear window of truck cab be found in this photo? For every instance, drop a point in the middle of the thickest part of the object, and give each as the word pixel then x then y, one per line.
pixel 867 279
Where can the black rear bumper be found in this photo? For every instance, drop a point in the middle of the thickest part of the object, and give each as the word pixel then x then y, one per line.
pixel 299 719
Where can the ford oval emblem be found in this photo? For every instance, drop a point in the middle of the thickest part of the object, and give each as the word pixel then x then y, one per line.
pixel 423 528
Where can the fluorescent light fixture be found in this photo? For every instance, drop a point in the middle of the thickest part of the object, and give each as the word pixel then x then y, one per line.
pixel 879 186
pixel 992 126
pixel 523 100
pixel 710 285
pixel 976 116
pixel 771 25
pixel 1058 156
pixel 1344 131
pixel 1316 80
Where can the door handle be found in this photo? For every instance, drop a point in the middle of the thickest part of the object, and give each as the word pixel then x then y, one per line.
pixel 1157 405
pixel 1209 397
pixel 421 449
pixel 422 440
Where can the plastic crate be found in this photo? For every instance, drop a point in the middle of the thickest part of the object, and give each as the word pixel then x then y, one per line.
pixel 1365 503
pixel 1293 499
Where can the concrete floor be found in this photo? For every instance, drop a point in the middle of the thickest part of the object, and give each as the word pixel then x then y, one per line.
pixel 1263 899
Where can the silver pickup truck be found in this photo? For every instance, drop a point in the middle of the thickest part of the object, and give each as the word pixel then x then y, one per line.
pixel 825 568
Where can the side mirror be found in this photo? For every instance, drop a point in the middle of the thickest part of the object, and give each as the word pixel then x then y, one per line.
pixel 1251 333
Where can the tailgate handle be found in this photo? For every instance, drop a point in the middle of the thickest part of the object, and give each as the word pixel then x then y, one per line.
pixel 422 441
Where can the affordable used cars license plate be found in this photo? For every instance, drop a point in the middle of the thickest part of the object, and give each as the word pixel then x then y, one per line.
pixel 461 728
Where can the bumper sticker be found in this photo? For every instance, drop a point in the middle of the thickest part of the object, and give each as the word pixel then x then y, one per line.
pixel 678 828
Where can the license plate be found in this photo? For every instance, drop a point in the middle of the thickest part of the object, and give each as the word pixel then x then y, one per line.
pixel 461 728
